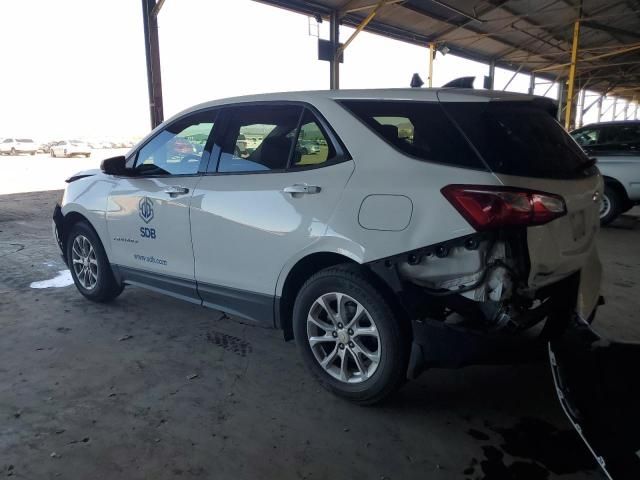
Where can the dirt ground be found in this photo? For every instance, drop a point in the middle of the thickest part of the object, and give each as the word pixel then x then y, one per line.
pixel 150 387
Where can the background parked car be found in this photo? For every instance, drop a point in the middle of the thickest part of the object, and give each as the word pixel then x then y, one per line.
pixel 16 146
pixel 616 147
pixel 308 147
pixel 70 148
pixel 46 147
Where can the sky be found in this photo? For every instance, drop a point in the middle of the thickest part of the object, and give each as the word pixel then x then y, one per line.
pixel 76 68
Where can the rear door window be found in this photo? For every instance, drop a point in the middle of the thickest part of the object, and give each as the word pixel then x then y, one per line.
pixel 519 138
pixel 419 129
pixel 620 137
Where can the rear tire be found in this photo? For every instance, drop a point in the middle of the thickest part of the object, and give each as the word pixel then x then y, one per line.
pixel 89 265
pixel 612 205
pixel 362 330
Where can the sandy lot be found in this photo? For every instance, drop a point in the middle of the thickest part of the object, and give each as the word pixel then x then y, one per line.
pixel 149 387
pixel 26 173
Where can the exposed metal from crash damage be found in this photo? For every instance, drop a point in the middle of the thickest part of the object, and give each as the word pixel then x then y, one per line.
pixel 474 282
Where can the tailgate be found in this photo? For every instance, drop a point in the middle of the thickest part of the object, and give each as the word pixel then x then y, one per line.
pixel 567 244
pixel 523 145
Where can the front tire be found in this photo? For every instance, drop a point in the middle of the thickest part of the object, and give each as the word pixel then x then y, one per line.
pixel 89 266
pixel 611 205
pixel 349 336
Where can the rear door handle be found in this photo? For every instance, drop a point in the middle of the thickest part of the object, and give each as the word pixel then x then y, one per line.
pixel 176 190
pixel 302 188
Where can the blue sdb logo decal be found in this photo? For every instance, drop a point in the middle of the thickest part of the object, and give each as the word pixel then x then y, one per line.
pixel 146 232
pixel 145 209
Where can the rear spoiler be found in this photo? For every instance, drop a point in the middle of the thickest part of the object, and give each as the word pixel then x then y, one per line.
pixel 547 104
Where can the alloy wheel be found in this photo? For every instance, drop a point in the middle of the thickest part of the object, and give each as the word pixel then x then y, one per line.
pixel 84 261
pixel 343 337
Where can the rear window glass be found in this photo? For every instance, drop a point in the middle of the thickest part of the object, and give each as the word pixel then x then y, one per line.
pixel 517 138
pixel 418 129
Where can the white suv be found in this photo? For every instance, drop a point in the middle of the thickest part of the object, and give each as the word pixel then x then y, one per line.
pixel 15 146
pixel 431 227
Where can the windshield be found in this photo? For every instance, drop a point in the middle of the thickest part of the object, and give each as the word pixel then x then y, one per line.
pixel 25 140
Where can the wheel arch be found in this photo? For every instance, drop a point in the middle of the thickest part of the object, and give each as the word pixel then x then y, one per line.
pixel 295 278
pixel 68 221
pixel 309 265
pixel 618 186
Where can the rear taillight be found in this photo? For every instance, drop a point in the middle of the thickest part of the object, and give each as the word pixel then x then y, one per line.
pixel 487 207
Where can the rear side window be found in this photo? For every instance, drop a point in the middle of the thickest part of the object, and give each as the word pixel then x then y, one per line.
pixel 518 138
pixel 621 134
pixel 419 129
pixel 312 147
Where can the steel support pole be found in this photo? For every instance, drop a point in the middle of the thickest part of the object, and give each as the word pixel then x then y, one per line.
pixel 492 74
pixel 562 96
pixel 532 83
pixel 615 107
pixel 572 75
pixel 152 50
pixel 600 108
pixel 635 117
pixel 432 54
pixel 582 96
pixel 334 38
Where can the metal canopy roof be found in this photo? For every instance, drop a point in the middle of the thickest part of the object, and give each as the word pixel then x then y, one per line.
pixel 525 35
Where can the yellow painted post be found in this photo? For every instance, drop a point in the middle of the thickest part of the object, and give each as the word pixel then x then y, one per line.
pixel 572 74
pixel 432 54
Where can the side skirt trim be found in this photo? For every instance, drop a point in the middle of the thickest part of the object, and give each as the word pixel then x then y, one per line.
pixel 256 307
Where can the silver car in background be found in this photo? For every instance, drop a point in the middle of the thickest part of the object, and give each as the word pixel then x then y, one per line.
pixel 616 147
pixel 70 148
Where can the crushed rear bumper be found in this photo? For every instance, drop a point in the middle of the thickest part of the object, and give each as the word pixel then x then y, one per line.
pixel 440 344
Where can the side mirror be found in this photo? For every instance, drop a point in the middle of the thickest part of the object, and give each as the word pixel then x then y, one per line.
pixel 115 166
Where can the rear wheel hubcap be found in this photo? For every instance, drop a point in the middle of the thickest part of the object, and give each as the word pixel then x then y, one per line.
pixel 343 337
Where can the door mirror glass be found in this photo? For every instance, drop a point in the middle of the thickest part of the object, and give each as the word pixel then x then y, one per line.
pixel 115 166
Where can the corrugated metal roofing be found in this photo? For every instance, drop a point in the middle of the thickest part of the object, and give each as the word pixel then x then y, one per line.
pixel 525 35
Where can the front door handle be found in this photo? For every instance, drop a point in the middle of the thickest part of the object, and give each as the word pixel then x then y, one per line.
pixel 176 190
pixel 302 188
